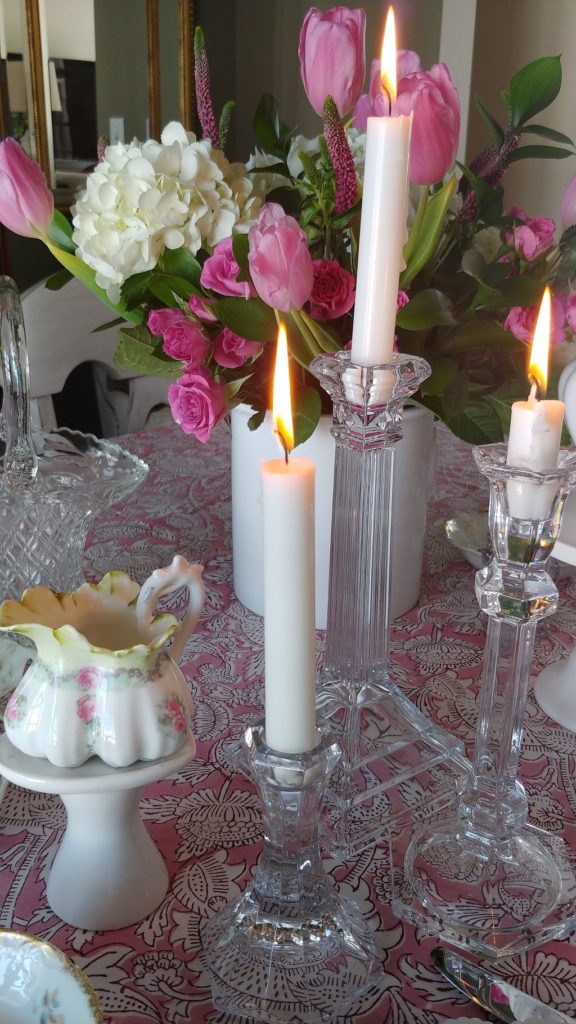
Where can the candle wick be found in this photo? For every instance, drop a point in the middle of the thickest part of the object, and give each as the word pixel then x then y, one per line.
pixel 389 98
pixel 286 456
pixel 535 391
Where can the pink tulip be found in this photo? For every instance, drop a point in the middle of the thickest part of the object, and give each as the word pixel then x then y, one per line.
pixel 374 103
pixel 331 52
pixel 568 207
pixel 26 202
pixel 197 403
pixel 221 270
pixel 279 260
pixel 433 99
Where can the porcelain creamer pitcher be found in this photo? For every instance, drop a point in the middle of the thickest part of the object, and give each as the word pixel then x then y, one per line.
pixel 103 682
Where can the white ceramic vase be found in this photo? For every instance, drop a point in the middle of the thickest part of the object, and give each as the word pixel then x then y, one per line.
pixel 413 476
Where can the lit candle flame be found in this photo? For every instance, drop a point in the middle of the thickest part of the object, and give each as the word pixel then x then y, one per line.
pixel 281 400
pixel 388 58
pixel 538 366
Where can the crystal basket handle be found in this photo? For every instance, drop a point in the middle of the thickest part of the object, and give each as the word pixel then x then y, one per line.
pixel 164 581
pixel 20 461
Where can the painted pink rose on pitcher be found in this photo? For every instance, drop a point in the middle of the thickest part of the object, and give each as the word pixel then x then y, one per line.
pixel 175 712
pixel 86 708
pixel 88 678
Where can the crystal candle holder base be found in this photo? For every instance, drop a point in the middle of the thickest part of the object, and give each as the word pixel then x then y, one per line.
pixel 482 876
pixel 290 949
pixel 498 901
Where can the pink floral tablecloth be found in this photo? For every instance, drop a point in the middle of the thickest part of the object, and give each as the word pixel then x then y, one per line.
pixel 206 819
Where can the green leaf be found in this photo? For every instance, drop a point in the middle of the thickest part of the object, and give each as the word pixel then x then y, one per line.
pixel 547 133
pixel 515 291
pixel 267 125
pixel 135 288
pixel 496 130
pixel 430 231
pixel 58 280
pixel 257 420
pixel 183 264
pixel 443 373
pixel 480 334
pixel 477 422
pixel 165 286
pixel 60 232
pixel 225 121
pixel 539 153
pixel 307 411
pixel 428 308
pixel 135 352
pixel 250 318
pixel 533 88
pixel 117 322
pixel 240 247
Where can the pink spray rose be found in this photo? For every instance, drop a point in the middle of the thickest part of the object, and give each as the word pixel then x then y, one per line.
pixel 532 236
pixel 197 403
pixel 374 103
pixel 433 99
pixel 568 206
pixel 521 321
pixel 280 263
pixel 333 290
pixel 571 312
pixel 201 308
pixel 221 270
pixel 231 350
pixel 26 202
pixel 332 60
pixel 182 338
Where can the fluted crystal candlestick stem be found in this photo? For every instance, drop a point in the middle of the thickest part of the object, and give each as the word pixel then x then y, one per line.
pixel 484 877
pixel 290 949
pixel 385 739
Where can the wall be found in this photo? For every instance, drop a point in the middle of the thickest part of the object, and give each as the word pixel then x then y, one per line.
pixel 526 29
pixel 121 65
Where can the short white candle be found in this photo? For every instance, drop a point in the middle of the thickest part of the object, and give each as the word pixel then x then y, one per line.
pixel 288 543
pixel 535 430
pixel 383 224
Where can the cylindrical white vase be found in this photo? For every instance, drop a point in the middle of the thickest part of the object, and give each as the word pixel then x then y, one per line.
pixel 413 475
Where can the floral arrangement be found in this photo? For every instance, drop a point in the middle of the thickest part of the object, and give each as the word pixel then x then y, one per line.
pixel 199 258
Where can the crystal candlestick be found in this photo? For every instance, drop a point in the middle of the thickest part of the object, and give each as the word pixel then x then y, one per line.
pixel 385 739
pixel 289 949
pixel 483 877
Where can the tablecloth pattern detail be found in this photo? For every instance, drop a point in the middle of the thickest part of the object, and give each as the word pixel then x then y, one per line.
pixel 206 819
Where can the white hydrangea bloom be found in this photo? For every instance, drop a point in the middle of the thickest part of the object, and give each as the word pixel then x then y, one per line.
pixel 143 198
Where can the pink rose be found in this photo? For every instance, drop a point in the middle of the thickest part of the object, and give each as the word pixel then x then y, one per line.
pixel 333 290
pixel 182 338
pixel 200 308
pixel 402 300
pixel 86 708
pixel 88 678
pixel 12 712
pixel 374 103
pixel 26 202
pixel 197 403
pixel 220 271
pixel 568 205
pixel 532 236
pixel 175 710
pixel 280 263
pixel 432 98
pixel 521 321
pixel 332 60
pixel 231 350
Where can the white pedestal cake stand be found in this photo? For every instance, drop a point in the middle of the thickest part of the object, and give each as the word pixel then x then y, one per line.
pixel 107 873
pixel 555 687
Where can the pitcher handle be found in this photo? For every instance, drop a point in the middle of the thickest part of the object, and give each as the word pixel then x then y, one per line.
pixel 163 581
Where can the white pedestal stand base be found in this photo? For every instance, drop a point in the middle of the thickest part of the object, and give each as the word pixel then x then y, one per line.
pixel 107 873
pixel 555 687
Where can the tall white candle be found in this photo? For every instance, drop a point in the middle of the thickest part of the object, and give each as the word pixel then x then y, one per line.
pixel 288 543
pixel 383 224
pixel 535 429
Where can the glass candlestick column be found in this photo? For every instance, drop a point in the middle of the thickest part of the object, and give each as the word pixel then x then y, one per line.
pixel 385 739
pixel 290 949
pixel 483 877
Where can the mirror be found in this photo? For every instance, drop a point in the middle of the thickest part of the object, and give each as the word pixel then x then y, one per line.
pixel 65 78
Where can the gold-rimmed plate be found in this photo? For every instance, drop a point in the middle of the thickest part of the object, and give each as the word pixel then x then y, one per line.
pixel 39 983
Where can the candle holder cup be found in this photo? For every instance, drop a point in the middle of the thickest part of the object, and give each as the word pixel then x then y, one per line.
pixel 289 949
pixel 391 752
pixel 481 875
